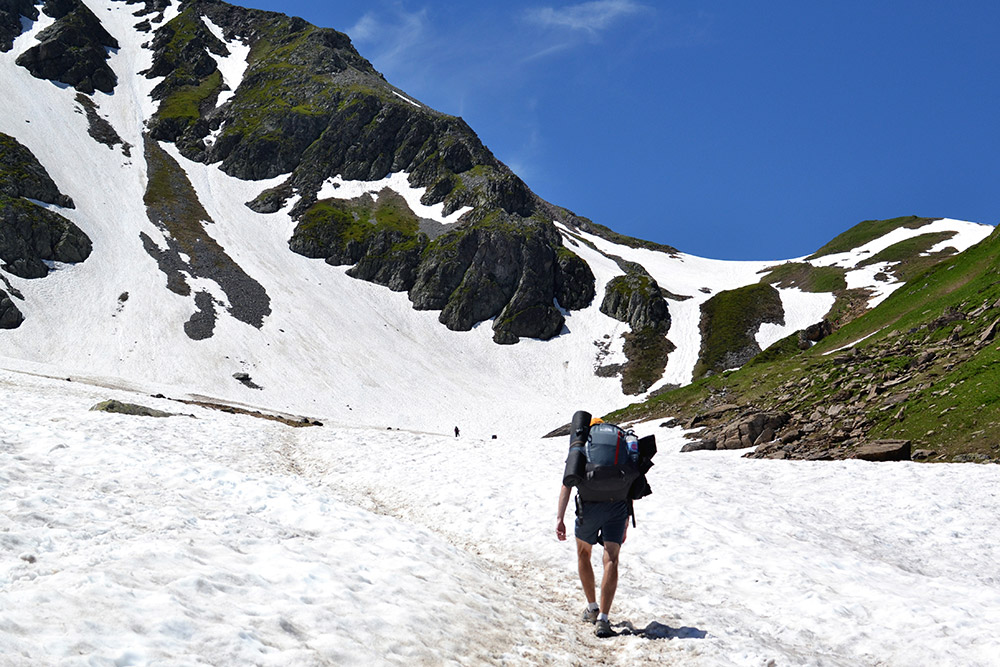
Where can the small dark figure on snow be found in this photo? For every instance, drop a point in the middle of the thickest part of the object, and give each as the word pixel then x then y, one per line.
pixel 456 431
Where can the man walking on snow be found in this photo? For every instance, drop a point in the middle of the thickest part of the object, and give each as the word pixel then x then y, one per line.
pixel 604 522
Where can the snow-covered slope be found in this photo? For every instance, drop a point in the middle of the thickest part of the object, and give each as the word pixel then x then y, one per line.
pixel 332 347
pixel 223 539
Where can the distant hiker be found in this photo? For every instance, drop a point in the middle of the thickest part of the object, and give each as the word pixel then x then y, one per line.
pixel 608 467
pixel 456 431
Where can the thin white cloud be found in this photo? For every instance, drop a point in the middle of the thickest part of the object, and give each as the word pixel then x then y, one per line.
pixel 393 36
pixel 591 17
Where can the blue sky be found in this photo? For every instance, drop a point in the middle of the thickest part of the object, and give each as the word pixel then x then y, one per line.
pixel 728 129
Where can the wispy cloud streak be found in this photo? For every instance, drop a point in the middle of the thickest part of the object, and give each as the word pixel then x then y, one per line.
pixel 590 17
pixel 395 37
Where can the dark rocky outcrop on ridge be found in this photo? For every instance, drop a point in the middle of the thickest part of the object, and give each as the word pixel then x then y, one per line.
pixel 310 106
pixel 73 50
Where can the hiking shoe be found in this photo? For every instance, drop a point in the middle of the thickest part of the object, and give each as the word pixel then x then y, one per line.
pixel 603 629
pixel 590 615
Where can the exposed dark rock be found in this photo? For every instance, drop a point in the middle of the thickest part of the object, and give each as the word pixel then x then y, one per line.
pixel 574 281
pixel 201 324
pixel 814 333
pixel 133 409
pixel 503 267
pixel 30 235
pixel 10 316
pixel 11 12
pixel 635 298
pixel 172 205
pixel 391 259
pixel 21 175
pixel 244 379
pixel 13 291
pixel 73 50
pixel 100 129
pixel 883 450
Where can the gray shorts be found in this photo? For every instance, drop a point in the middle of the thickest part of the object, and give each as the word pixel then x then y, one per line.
pixel 602 522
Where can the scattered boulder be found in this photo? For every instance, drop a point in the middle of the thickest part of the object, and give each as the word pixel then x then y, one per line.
pixel 813 334
pixel 708 444
pixel 751 430
pixel 244 379
pixel 121 408
pixel 883 450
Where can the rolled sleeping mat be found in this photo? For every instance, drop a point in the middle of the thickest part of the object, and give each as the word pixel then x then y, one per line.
pixel 579 428
pixel 576 466
pixel 576 460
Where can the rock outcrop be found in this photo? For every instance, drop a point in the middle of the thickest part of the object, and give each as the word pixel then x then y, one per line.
pixel 729 323
pixel 850 404
pixel 749 430
pixel 11 12
pixel 21 175
pixel 30 235
pixel 73 50
pixel 10 316
pixel 636 298
pixel 310 106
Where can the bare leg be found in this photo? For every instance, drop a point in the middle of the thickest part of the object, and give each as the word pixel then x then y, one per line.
pixel 585 569
pixel 609 582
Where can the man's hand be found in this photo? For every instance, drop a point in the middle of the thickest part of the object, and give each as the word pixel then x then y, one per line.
pixel 561 513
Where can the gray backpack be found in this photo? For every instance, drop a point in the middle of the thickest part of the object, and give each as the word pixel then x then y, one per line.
pixel 606 463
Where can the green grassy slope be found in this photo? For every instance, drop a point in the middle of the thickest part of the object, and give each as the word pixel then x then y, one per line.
pixel 948 403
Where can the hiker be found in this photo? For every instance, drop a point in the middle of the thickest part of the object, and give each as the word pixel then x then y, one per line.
pixel 456 431
pixel 602 514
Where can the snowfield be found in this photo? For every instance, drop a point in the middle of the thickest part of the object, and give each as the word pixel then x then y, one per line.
pixel 380 538
pixel 332 347
pixel 217 539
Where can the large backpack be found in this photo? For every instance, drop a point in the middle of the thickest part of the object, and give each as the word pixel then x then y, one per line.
pixel 606 463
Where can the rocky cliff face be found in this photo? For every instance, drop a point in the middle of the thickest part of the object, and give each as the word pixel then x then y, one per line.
pixel 72 50
pixel 312 107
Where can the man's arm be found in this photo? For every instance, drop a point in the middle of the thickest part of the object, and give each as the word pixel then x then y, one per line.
pixel 561 513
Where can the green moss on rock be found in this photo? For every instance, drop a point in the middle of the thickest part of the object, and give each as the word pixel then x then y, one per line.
pixel 729 323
